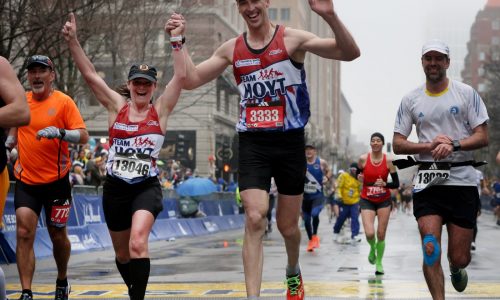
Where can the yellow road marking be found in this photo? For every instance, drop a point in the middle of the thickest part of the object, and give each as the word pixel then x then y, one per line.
pixel 343 289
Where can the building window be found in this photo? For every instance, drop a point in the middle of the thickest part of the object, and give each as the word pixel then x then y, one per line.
pixel 495 40
pixel 273 14
pixel 495 56
pixel 480 71
pixel 482 56
pixel 495 25
pixel 285 14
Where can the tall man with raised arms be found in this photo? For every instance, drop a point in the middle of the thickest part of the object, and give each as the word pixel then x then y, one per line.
pixel 268 65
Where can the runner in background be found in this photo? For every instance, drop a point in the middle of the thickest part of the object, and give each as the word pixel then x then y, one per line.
pixel 42 173
pixel 317 175
pixel 376 197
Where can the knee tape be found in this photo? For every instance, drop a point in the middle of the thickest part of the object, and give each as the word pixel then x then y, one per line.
pixel 431 259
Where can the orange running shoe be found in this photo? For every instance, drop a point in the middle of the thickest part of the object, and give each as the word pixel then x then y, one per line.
pixel 315 239
pixel 311 245
pixel 295 288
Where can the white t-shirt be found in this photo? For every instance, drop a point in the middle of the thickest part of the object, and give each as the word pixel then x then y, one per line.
pixel 454 112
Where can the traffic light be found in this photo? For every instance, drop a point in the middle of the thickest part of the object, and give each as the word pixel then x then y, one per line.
pixel 226 168
pixel 180 145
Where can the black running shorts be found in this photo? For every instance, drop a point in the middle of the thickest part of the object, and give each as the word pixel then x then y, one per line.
pixel 456 204
pixel 370 205
pixel 54 197
pixel 281 155
pixel 120 200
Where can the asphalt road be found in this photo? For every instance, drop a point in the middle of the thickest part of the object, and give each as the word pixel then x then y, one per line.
pixel 210 267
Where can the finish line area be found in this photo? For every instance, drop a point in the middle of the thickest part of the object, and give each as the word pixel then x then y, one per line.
pixel 372 289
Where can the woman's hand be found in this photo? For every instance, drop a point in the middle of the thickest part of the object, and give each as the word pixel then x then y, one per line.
pixel 175 25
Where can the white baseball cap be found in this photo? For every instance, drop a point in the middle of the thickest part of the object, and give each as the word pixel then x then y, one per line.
pixel 436 45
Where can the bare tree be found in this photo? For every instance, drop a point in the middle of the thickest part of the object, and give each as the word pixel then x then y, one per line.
pixel 492 102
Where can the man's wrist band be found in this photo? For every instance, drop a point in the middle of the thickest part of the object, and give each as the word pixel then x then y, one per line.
pixel 177 38
pixel 62 131
pixel 177 42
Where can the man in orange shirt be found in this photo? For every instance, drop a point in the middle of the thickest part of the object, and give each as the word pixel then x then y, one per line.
pixel 42 172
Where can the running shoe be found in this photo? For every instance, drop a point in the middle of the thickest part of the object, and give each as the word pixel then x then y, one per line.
pixel 62 292
pixel 336 237
pixel 295 288
pixel 315 239
pixel 459 280
pixel 310 246
pixel 25 296
pixel 379 269
pixel 356 239
pixel 372 257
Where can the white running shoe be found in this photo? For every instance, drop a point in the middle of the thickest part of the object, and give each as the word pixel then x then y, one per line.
pixel 356 239
pixel 336 237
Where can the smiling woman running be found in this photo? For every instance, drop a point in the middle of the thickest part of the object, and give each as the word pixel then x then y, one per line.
pixel 376 197
pixel 132 195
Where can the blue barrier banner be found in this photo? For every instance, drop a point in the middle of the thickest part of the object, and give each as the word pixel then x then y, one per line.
pixel 181 227
pixel 82 239
pixel 9 215
pixel 221 222
pixel 219 207
pixel 236 221
pixel 197 226
pixel 42 245
pixel 211 226
pixel 87 229
pixel 163 229
pixel 8 253
pixel 100 234
pixel 228 207
pixel 170 209
pixel 211 207
pixel 88 209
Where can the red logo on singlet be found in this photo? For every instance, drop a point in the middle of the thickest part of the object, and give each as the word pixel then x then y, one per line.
pixel 143 142
pixel 270 74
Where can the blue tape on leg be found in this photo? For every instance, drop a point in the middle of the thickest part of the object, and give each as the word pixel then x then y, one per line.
pixel 431 259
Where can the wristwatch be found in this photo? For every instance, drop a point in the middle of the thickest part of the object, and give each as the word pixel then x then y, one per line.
pixel 456 145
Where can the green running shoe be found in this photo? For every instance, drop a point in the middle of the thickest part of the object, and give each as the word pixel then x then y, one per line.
pixel 459 280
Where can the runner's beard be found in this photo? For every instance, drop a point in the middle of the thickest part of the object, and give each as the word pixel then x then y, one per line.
pixel 435 78
pixel 38 90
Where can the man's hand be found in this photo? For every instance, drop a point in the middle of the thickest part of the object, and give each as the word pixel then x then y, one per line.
pixel 322 7
pixel 175 25
pixel 442 151
pixel 50 132
pixel 69 28
pixel 440 139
